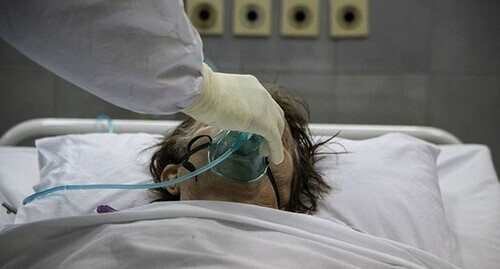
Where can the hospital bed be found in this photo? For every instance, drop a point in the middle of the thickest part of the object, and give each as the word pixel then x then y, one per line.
pixel 407 196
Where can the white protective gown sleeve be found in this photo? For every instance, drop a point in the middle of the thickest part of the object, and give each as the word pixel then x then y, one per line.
pixel 144 56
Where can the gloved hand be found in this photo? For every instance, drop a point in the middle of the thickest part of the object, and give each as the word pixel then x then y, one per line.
pixel 240 103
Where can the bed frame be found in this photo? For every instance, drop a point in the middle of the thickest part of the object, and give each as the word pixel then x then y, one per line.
pixel 60 126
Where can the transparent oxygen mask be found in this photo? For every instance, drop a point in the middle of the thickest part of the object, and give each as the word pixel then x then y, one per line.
pixel 245 164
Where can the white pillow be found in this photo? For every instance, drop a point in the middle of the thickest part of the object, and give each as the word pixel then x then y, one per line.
pixel 90 159
pixel 388 187
pixel 18 173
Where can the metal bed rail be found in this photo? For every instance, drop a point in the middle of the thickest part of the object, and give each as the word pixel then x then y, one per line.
pixel 42 127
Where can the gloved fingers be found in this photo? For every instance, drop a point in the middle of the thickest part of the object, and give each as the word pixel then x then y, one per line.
pixel 276 155
pixel 269 122
pixel 240 103
pixel 264 149
pixel 274 158
pixel 275 143
pixel 275 146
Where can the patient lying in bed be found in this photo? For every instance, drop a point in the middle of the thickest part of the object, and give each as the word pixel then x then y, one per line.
pixel 299 185
pixel 388 188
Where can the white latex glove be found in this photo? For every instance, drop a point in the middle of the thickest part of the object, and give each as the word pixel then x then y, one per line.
pixel 240 103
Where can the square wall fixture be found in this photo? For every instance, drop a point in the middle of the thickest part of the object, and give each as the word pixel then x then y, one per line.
pixel 300 18
pixel 349 18
pixel 252 17
pixel 207 16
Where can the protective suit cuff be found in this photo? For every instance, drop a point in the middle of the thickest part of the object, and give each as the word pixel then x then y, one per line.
pixel 207 98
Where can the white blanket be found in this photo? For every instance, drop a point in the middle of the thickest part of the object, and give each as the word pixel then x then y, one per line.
pixel 202 234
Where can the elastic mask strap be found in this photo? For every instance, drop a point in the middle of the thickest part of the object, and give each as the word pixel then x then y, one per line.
pixel 198 148
pixel 185 160
pixel 273 182
pixel 196 138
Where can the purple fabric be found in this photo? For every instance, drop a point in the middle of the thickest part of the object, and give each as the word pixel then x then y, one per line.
pixel 105 209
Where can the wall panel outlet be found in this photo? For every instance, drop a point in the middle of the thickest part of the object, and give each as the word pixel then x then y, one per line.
pixel 349 18
pixel 300 18
pixel 252 17
pixel 207 16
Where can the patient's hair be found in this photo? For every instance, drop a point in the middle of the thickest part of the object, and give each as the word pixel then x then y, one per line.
pixel 307 185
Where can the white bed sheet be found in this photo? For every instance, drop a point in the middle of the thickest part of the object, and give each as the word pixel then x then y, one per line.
pixel 18 174
pixel 205 234
pixel 469 186
pixel 471 197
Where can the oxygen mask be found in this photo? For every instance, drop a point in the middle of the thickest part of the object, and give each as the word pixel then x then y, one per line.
pixel 245 164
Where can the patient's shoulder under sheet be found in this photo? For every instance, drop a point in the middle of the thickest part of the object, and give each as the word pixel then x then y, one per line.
pixel 202 234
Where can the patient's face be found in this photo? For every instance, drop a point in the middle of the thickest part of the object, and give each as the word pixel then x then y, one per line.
pixel 209 186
